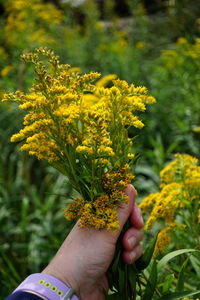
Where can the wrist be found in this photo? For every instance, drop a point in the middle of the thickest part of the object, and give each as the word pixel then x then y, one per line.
pixel 67 280
pixel 46 287
pixel 82 291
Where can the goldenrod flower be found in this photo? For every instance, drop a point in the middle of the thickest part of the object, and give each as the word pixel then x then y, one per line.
pixel 180 190
pixel 81 128
pixel 104 81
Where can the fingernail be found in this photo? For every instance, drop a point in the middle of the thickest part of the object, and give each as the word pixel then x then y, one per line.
pixel 141 218
pixel 132 255
pixel 129 190
pixel 140 214
pixel 132 241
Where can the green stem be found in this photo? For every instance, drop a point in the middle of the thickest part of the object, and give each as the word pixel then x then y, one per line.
pixel 140 287
pixel 156 289
pixel 73 174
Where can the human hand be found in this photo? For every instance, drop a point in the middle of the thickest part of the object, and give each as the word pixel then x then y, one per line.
pixel 85 255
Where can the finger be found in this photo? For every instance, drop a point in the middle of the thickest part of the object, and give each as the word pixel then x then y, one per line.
pixel 126 209
pixel 131 238
pixel 136 217
pixel 130 256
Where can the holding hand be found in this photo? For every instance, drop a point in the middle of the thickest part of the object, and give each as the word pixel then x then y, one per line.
pixel 84 257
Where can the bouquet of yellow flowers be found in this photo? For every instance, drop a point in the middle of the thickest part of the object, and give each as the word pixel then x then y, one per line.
pixel 80 127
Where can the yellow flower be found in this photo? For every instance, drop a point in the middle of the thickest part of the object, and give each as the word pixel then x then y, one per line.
pixel 180 189
pixel 163 240
pixel 140 45
pixel 84 149
pixel 81 129
pixel 190 299
pixel 34 15
pixel 131 155
pixel 197 129
pixel 6 70
pixel 105 151
pixel 89 100
pixel 104 81
pixel 182 40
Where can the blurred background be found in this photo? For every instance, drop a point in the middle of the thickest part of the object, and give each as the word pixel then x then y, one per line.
pixel 155 43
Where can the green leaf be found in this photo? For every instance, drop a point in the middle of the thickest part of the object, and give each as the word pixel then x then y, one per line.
pixel 10 266
pixel 171 255
pixel 60 167
pixel 172 147
pixel 7 278
pixel 115 296
pixel 196 265
pixel 167 283
pixel 116 262
pixel 132 279
pixel 151 284
pixel 145 259
pixel 179 295
pixel 113 271
pixel 121 281
pixel 132 273
pixel 180 282
pixel 110 279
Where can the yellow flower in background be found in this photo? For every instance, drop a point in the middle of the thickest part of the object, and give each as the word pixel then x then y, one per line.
pixel 37 16
pixel 182 40
pixel 103 47
pixel 19 4
pixel 105 80
pixel 198 21
pixel 74 70
pixel 123 43
pixel 3 54
pixel 6 70
pixel 196 129
pixel 99 25
pixel 181 54
pixel 179 192
pixel 190 299
pixel 163 239
pixel 140 45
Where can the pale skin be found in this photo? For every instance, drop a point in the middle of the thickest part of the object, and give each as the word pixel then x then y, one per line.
pixel 85 255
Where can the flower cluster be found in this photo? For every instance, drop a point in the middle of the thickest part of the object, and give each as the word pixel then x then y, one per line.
pixel 180 192
pixel 81 128
pixel 183 50
pixel 102 212
pixel 39 17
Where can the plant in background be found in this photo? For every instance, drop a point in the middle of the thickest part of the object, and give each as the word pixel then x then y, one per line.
pixel 40 18
pixel 81 129
pixel 176 79
pixel 43 21
pixel 178 202
pixel 176 211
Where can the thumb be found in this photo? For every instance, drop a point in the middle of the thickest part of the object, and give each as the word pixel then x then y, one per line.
pixel 125 209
